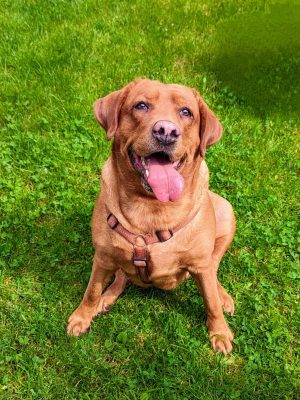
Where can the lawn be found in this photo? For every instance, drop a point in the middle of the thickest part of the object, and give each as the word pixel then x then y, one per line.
pixel 56 58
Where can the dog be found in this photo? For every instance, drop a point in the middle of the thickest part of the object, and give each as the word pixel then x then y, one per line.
pixel 156 223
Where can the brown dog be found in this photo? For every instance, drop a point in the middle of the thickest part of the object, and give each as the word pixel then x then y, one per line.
pixel 155 221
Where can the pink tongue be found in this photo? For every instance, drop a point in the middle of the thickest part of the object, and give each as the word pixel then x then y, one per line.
pixel 166 183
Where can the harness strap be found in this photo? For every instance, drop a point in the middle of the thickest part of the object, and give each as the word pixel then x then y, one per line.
pixel 140 261
pixel 141 255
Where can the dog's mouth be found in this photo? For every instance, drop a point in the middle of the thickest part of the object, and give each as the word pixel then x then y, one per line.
pixel 159 174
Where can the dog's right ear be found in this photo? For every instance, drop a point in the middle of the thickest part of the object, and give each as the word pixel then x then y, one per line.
pixel 107 109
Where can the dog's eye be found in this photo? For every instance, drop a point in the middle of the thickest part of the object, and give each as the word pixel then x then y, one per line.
pixel 142 106
pixel 185 112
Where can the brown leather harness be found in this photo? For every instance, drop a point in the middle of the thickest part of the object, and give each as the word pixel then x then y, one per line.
pixel 141 254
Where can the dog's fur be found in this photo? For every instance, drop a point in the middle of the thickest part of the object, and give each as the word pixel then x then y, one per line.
pixel 195 250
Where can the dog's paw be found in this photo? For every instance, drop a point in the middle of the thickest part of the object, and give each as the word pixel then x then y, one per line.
pixel 221 343
pixel 78 324
pixel 105 304
pixel 221 339
pixel 228 304
pixel 226 300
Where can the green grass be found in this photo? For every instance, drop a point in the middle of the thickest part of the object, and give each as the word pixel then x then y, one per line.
pixel 56 58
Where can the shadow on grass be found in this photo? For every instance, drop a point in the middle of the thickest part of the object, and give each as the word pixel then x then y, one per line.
pixel 257 57
pixel 190 305
pixel 54 249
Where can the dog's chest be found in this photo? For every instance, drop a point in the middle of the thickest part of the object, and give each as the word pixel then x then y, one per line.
pixel 165 263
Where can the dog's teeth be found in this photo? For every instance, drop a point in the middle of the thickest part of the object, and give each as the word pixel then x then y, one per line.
pixel 143 162
pixel 147 173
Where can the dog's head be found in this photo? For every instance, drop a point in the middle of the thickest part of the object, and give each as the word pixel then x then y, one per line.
pixel 160 131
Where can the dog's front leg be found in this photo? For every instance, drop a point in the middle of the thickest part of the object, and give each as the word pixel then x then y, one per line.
pixel 220 335
pixel 80 320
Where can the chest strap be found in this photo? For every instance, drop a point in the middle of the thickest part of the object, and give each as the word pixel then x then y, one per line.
pixel 140 254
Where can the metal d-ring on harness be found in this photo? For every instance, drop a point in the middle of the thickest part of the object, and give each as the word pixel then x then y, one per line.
pixel 141 255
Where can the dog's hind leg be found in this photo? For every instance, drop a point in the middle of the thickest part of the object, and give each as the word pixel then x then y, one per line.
pixel 226 299
pixel 225 229
pixel 112 293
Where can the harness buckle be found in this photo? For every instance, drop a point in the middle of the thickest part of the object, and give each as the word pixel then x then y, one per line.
pixel 140 262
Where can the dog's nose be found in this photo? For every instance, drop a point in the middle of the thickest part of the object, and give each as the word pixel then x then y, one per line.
pixel 165 132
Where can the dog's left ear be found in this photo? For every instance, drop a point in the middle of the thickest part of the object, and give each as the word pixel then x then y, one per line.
pixel 210 127
pixel 107 109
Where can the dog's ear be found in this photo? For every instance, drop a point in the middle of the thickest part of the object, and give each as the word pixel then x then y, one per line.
pixel 210 127
pixel 107 109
